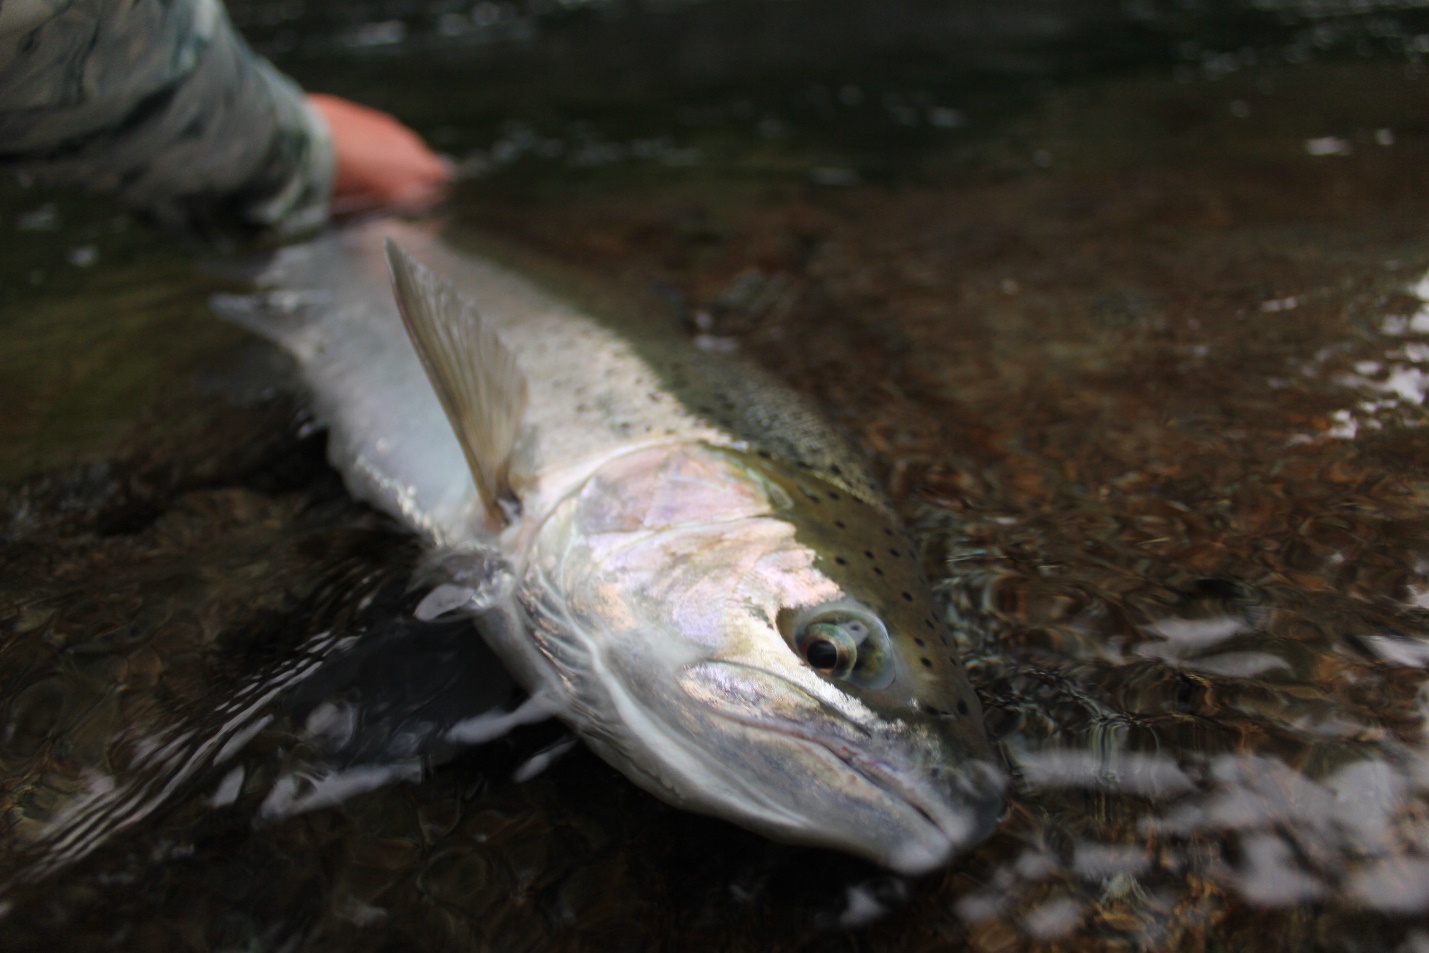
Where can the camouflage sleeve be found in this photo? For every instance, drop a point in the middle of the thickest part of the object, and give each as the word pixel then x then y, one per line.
pixel 160 103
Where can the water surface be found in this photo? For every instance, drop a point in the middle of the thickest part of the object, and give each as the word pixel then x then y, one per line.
pixel 1132 311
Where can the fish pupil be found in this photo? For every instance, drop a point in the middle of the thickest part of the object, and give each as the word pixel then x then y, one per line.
pixel 822 654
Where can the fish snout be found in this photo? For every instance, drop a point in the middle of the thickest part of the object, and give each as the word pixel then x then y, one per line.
pixel 963 765
pixel 904 793
pixel 964 798
pixel 957 789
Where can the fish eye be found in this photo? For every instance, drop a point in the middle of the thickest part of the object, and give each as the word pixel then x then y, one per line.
pixel 846 642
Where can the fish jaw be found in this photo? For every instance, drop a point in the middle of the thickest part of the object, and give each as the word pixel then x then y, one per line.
pixel 890 790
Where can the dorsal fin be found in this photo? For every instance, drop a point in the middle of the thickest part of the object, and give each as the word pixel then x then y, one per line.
pixel 475 375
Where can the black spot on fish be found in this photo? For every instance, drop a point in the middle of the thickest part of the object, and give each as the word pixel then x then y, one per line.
pixel 868 553
pixel 834 469
pixel 928 623
pixel 834 496
pixel 927 662
pixel 907 597
pixel 920 643
pixel 840 524
pixel 962 707
pixel 877 571
pixel 841 561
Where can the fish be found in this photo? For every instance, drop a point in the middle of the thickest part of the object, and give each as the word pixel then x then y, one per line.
pixel 674 552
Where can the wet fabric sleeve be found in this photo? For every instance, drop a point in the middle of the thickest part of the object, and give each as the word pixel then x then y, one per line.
pixel 161 104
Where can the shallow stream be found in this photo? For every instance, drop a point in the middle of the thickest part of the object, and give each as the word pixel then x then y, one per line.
pixel 1130 304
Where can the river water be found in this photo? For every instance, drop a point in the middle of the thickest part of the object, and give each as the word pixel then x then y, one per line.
pixel 1130 304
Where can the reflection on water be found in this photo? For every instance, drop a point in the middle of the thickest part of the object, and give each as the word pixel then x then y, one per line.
pixel 1133 310
pixel 155 765
pixel 1393 384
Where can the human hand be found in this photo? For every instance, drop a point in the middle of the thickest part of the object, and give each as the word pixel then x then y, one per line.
pixel 380 163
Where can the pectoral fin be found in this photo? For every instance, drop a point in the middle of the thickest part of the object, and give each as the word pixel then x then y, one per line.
pixel 475 375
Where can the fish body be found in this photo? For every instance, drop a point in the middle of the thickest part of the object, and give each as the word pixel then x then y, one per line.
pixel 697 573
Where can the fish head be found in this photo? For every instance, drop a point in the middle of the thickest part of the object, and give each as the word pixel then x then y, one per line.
pixel 780 660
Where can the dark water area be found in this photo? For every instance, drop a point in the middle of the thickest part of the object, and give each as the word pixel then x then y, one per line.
pixel 1130 305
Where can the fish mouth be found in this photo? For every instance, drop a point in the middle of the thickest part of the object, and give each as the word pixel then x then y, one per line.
pixel 958 812
pixel 978 812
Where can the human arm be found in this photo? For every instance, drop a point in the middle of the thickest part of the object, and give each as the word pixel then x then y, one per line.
pixel 163 105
